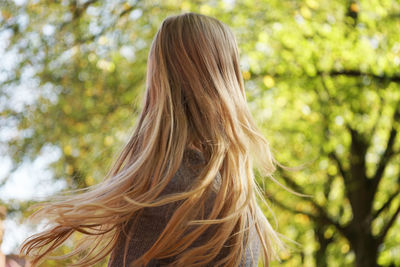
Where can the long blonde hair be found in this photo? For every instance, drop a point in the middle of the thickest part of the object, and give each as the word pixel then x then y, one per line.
pixel 194 97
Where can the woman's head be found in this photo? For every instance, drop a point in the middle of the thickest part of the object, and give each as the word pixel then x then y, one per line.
pixel 194 84
pixel 194 97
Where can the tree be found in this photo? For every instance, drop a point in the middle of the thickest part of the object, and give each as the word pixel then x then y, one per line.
pixel 322 81
pixel 340 89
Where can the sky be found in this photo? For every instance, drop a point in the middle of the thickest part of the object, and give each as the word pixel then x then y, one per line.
pixel 32 180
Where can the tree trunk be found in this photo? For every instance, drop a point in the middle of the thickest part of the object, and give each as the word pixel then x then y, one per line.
pixel 366 251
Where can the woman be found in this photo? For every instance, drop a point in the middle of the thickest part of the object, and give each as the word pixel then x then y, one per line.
pixel 182 192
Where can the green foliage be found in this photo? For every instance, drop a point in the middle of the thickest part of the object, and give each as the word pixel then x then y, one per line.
pixel 322 80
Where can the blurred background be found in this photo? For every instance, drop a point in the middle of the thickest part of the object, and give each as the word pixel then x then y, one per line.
pixel 322 80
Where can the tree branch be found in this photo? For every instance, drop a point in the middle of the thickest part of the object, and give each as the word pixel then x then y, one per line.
pixel 339 164
pixel 321 218
pixel 327 219
pixel 386 228
pixel 322 215
pixel 292 183
pixel 358 73
pixel 77 9
pixel 385 156
pixel 351 73
pixel 126 11
pixel 387 204
pixel 286 207
pixel 104 29
pixel 388 153
pixel 375 126
pixel 326 89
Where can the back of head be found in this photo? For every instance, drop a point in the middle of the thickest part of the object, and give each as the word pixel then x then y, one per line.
pixel 194 81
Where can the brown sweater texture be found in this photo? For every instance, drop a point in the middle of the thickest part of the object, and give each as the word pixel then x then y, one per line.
pixel 152 222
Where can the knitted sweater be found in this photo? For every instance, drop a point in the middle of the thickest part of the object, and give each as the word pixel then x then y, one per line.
pixel 152 221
